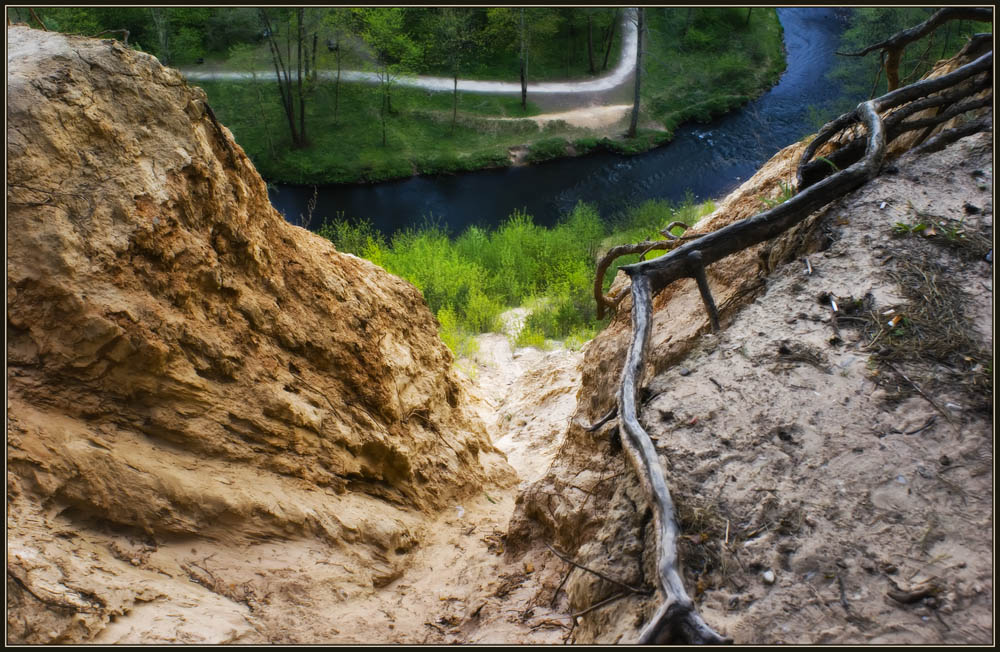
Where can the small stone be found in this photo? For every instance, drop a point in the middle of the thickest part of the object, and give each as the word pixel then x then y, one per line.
pixel 768 576
pixel 529 567
pixel 134 561
pixel 685 371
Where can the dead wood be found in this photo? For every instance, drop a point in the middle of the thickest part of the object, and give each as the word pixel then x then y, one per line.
pixel 676 620
pixel 37 19
pixel 892 48
pixel 945 138
pixel 599 574
pixel 642 248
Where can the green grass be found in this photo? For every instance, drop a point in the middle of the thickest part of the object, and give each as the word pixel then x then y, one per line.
pixel 347 146
pixel 470 279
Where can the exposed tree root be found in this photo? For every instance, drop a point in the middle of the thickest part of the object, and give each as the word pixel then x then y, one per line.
pixel 677 620
pixel 923 89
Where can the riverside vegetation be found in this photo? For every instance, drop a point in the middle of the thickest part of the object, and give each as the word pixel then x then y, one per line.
pixel 469 280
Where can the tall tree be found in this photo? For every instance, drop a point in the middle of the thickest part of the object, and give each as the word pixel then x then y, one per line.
pixel 610 37
pixel 633 125
pixel 293 96
pixel 529 24
pixel 455 29
pixel 161 24
pixel 337 22
pixel 590 41
pixel 393 49
pixel 247 58
pixel 524 62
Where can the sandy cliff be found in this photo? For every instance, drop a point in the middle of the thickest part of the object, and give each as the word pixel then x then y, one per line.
pixel 189 372
pixel 795 446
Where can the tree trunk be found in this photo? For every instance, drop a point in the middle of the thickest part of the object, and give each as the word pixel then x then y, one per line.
pixel 302 100
pixel 749 9
pixel 336 87
pixel 524 65
pixel 611 39
pixel 454 104
pixel 284 84
pixel 385 97
pixel 638 75
pixel 570 38
pixel 315 47
pixel 590 43
pixel 161 21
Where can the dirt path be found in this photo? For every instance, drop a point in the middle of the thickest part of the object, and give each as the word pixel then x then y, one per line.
pixel 618 76
pixel 459 587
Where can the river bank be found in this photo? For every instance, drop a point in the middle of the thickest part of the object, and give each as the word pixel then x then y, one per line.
pixel 423 134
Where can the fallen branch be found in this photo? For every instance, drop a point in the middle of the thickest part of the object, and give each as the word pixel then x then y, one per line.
pixel 597 573
pixel 945 138
pixel 35 16
pixel 616 596
pixel 676 619
pixel 921 392
pixel 605 302
pixel 909 597
pixel 612 413
pixel 895 126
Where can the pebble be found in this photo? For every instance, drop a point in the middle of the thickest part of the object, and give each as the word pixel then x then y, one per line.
pixel 768 577
pixel 685 371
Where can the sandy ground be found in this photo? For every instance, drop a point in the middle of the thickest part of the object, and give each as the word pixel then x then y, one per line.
pixel 831 487
pixel 813 487
pixel 591 117
pixel 460 588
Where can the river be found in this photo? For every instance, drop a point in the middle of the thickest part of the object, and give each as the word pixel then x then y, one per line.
pixel 707 160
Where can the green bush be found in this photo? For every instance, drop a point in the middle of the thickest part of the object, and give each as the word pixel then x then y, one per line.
pixel 585 145
pixel 546 149
pixel 470 280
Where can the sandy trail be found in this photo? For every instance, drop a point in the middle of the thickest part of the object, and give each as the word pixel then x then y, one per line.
pixel 459 587
pixel 621 73
pixel 592 117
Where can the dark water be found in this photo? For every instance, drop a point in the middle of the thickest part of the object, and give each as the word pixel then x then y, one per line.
pixel 706 159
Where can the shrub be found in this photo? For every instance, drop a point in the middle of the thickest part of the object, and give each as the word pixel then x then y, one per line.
pixel 543 150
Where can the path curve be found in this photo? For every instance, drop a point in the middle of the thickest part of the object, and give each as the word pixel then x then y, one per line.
pixel 621 73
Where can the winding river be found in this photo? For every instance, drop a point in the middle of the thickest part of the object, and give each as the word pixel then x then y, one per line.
pixel 708 160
